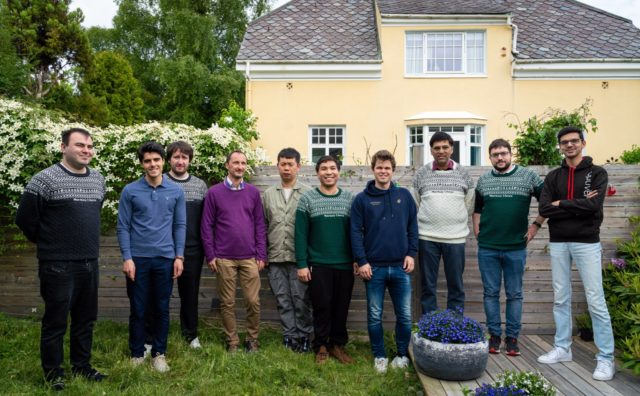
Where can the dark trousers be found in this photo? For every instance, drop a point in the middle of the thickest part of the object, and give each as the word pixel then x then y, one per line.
pixel 68 287
pixel 452 255
pixel 330 291
pixel 153 285
pixel 189 289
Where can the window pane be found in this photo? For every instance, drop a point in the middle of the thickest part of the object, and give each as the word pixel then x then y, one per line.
pixel 332 140
pixel 339 131
pixel 332 131
pixel 414 53
pixel 475 156
pixel 338 139
pixel 336 152
pixel 322 140
pixel 314 140
pixel 316 153
pixel 458 128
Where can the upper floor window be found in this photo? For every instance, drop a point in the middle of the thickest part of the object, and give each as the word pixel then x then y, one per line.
pixel 326 140
pixel 432 53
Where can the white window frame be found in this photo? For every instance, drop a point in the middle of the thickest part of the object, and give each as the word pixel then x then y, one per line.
pixel 464 136
pixel 327 145
pixel 466 53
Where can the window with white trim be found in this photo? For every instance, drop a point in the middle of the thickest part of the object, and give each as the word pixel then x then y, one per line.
pixel 467 142
pixel 433 53
pixel 326 140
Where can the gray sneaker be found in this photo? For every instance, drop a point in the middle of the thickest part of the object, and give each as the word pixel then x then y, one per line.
pixel 604 370
pixel 160 364
pixel 556 355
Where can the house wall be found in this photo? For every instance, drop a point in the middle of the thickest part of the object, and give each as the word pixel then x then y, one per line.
pixel 374 111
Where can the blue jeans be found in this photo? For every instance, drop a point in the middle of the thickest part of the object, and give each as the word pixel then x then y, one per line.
pixel 588 259
pixel 399 284
pixel 429 259
pixel 494 266
pixel 153 285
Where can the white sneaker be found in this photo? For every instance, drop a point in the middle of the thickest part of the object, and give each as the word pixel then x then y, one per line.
pixel 604 370
pixel 195 343
pixel 400 362
pixel 380 364
pixel 137 361
pixel 556 355
pixel 160 364
pixel 147 351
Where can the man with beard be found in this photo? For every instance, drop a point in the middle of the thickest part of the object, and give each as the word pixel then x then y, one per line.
pixel 500 223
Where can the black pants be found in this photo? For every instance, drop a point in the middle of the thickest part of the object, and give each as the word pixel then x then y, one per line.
pixel 189 289
pixel 330 291
pixel 68 287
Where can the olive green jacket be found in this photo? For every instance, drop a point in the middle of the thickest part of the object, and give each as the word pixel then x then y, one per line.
pixel 280 217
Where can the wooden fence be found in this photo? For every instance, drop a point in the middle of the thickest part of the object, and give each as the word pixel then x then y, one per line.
pixel 19 287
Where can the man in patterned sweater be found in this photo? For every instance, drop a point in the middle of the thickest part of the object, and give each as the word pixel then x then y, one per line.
pixel 500 223
pixel 444 194
pixel 60 212
pixel 323 256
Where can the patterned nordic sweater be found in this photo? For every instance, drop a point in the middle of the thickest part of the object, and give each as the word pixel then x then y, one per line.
pixel 445 200
pixel 60 212
pixel 194 191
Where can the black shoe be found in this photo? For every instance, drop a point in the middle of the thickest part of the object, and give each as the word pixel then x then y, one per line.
pixel 511 346
pixel 89 373
pixel 290 343
pixel 55 379
pixel 251 345
pixel 494 344
pixel 304 345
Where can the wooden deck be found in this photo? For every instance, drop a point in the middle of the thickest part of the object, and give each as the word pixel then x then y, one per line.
pixel 570 378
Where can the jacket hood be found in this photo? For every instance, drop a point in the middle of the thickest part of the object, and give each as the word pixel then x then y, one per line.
pixel 376 192
pixel 585 163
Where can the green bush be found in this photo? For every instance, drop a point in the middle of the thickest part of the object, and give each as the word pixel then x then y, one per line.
pixel 30 137
pixel 631 156
pixel 536 142
pixel 621 281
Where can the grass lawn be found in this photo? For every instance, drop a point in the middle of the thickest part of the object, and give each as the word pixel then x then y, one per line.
pixel 209 371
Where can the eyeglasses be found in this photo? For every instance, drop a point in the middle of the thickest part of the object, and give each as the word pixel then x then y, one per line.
pixel 571 141
pixel 500 154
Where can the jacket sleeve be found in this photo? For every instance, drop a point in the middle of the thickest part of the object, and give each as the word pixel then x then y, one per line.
pixel 584 206
pixel 260 228
pixel 471 190
pixel 357 236
pixel 478 201
pixel 208 225
pixel 124 224
pixel 28 215
pixel 302 233
pixel 180 224
pixel 412 228
pixel 547 196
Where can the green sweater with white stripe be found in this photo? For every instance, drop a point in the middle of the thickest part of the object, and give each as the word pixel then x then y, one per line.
pixel 503 200
pixel 322 230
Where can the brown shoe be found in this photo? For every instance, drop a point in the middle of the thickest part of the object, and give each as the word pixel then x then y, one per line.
pixel 322 356
pixel 232 348
pixel 339 353
pixel 251 345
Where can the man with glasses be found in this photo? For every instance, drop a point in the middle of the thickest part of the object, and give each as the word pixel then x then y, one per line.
pixel 444 195
pixel 572 200
pixel 500 223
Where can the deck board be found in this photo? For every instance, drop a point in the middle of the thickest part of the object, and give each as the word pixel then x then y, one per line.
pixel 570 378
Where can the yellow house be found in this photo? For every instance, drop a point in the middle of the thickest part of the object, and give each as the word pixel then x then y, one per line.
pixel 350 77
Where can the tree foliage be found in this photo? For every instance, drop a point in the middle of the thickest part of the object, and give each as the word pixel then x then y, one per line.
pixel 536 142
pixel 13 73
pixel 48 37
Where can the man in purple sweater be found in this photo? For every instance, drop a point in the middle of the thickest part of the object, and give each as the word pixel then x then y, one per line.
pixel 233 235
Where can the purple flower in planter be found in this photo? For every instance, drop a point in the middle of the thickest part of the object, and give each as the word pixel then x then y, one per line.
pixel 619 263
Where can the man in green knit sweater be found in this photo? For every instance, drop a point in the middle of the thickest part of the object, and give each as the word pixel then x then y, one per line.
pixel 323 257
pixel 501 225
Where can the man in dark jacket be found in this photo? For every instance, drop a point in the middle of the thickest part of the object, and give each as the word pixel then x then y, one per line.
pixel 384 240
pixel 572 200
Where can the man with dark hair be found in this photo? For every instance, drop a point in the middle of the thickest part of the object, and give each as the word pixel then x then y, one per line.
pixel 501 225
pixel 384 240
pixel 151 233
pixel 234 240
pixel 180 155
pixel 323 255
pixel 59 211
pixel 444 193
pixel 292 296
pixel 572 200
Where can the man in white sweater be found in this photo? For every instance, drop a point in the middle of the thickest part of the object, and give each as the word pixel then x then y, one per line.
pixel 444 193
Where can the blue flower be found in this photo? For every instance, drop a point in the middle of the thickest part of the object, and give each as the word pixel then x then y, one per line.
pixel 450 327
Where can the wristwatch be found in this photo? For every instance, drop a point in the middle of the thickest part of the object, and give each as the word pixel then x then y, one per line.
pixel 537 224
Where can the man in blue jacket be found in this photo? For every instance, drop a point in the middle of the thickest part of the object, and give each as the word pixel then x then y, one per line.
pixel 384 240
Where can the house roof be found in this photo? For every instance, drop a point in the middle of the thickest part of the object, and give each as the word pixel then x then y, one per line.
pixel 346 30
pixel 314 30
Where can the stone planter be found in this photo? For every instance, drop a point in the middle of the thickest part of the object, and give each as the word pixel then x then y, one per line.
pixel 452 362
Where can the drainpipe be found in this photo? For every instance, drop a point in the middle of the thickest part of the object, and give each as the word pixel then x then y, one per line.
pixel 247 89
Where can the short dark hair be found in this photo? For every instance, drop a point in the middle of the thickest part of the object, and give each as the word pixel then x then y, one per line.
pixel 571 129
pixel 232 153
pixel 289 152
pixel 181 146
pixel 383 155
pixel 150 147
pixel 499 143
pixel 327 158
pixel 67 133
pixel 440 136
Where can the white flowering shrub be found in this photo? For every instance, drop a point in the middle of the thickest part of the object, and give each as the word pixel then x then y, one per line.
pixel 30 141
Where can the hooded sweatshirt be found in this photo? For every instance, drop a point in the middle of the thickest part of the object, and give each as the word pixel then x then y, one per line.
pixel 576 219
pixel 384 226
